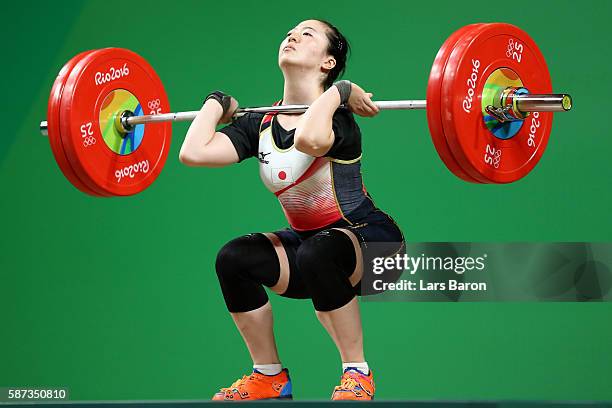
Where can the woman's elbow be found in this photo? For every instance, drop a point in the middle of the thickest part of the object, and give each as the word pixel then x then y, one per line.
pixel 187 158
pixel 309 146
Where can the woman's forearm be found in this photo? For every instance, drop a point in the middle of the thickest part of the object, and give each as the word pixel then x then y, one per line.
pixel 201 130
pixel 313 135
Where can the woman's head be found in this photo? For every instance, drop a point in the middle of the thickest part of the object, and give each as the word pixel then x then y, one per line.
pixel 315 46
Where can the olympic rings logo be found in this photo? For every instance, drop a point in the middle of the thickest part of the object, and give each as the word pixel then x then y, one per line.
pixel 497 158
pixel 154 107
pixel 514 50
pixel 89 141
pixel 492 156
pixel 154 104
pixel 87 134
pixel 510 48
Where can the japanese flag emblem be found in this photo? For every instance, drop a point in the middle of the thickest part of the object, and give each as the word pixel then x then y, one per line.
pixel 282 175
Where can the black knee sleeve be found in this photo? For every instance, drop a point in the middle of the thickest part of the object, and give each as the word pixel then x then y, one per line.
pixel 243 265
pixel 326 260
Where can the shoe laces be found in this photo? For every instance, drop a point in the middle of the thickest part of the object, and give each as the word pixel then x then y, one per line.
pixel 240 382
pixel 236 384
pixel 348 382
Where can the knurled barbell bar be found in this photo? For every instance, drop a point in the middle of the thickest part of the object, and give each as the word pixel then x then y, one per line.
pixel 489 109
pixel 521 104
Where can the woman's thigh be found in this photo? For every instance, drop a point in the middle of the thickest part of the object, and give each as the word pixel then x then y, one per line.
pixel 286 243
pixel 376 236
pixel 378 227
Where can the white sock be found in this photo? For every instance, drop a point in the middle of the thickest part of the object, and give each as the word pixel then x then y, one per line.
pixel 268 369
pixel 363 368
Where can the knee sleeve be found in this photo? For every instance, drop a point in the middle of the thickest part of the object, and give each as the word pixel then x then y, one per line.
pixel 243 265
pixel 326 260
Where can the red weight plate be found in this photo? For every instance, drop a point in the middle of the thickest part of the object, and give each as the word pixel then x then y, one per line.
pixel 94 190
pixel 475 59
pixel 53 125
pixel 434 114
pixel 450 71
pixel 100 85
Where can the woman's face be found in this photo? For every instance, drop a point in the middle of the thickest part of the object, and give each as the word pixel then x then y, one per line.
pixel 305 45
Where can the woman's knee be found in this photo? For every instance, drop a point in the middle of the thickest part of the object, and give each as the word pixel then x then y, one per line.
pixel 250 256
pixel 326 261
pixel 243 265
pixel 228 260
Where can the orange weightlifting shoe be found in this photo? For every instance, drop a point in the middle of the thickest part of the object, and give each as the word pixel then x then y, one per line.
pixel 354 386
pixel 257 386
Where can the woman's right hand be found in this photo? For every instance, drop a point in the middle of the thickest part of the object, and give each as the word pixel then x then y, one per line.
pixel 360 102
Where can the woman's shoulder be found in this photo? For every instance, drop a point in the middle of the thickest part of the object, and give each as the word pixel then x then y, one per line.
pixel 252 116
pixel 345 119
pixel 344 113
pixel 249 121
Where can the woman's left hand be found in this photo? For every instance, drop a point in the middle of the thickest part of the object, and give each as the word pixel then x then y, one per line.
pixel 360 102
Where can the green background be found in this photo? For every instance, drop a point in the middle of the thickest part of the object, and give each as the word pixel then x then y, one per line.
pixel 118 298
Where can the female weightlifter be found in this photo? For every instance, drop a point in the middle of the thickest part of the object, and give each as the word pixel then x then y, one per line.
pixel 311 162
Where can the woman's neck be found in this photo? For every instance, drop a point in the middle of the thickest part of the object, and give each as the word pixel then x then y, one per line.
pixel 301 89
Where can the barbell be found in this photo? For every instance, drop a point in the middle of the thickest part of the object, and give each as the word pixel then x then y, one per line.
pixel 489 110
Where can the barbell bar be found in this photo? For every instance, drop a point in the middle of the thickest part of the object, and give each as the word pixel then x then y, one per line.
pixel 526 103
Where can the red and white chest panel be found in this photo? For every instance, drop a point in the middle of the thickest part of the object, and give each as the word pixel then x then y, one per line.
pixel 302 183
pixel 279 168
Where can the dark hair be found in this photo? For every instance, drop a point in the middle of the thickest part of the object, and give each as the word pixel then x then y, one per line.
pixel 338 48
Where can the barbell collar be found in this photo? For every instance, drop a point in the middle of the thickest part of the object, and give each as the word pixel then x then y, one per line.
pixel 43 128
